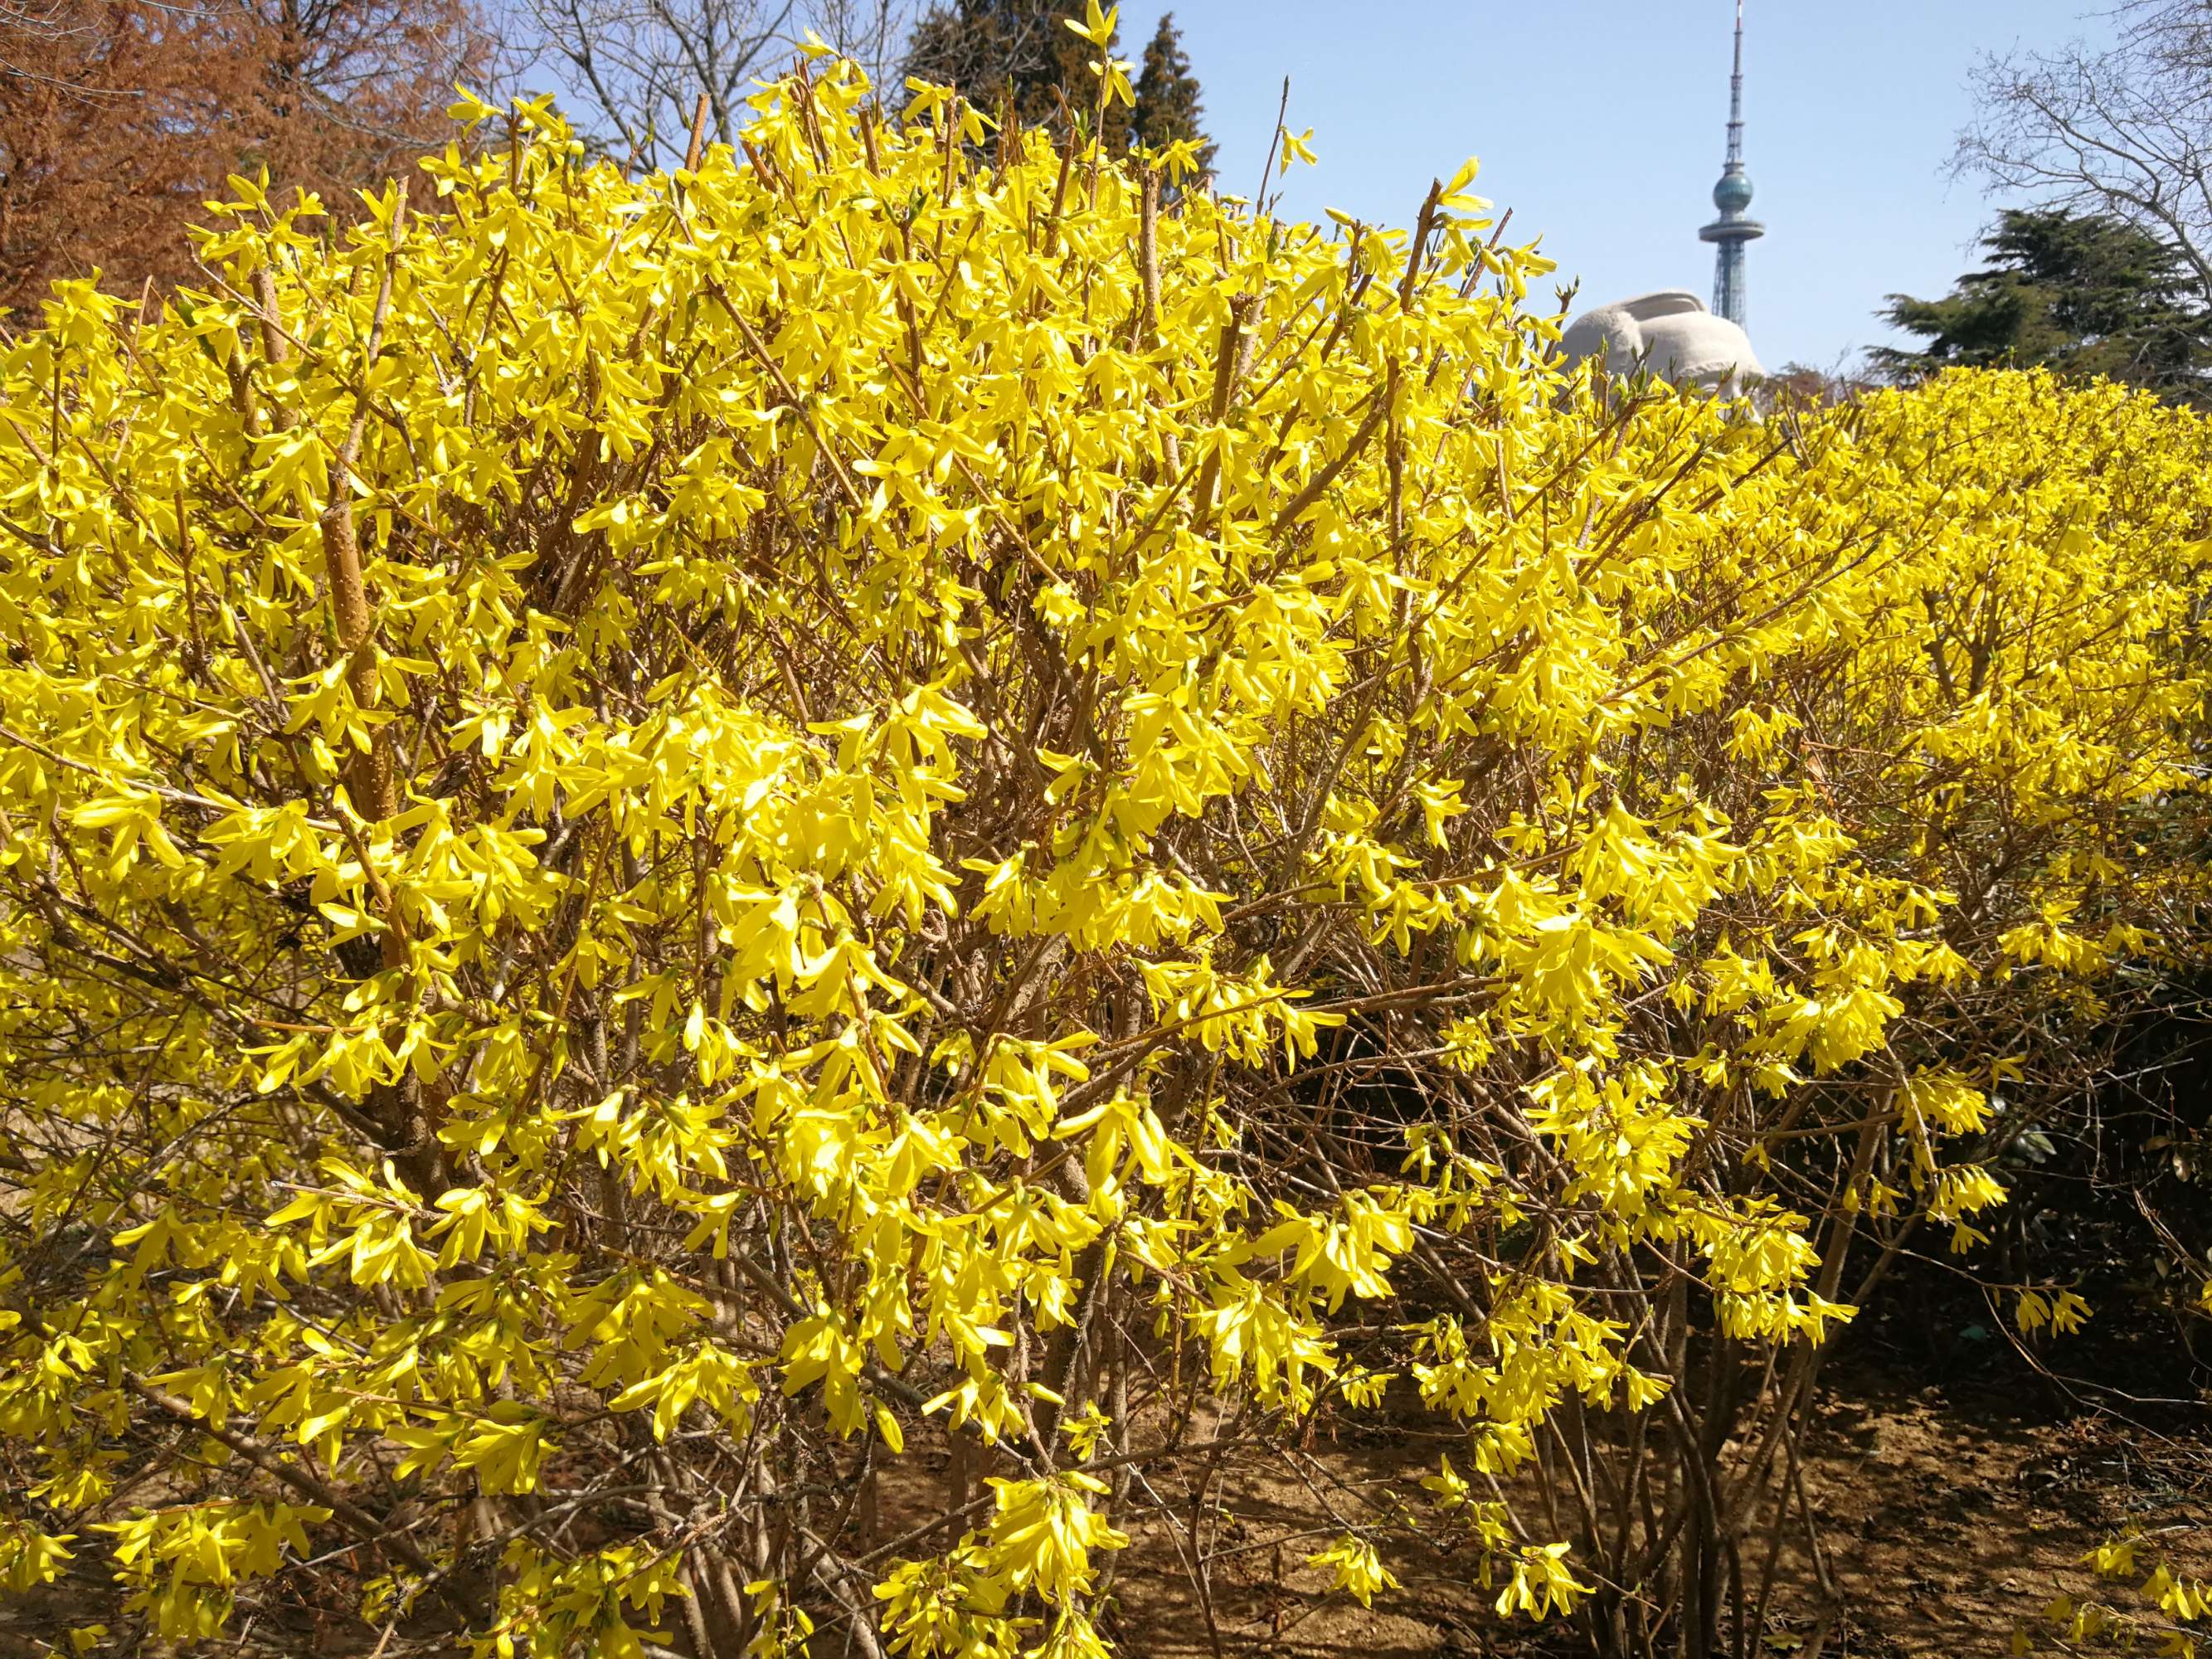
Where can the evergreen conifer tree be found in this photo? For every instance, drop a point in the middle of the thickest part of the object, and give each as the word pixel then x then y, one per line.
pixel 2087 293
pixel 1016 59
pixel 1018 56
pixel 1168 99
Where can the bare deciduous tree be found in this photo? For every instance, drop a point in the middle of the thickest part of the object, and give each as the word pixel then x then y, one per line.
pixel 871 32
pixel 636 69
pixel 2123 128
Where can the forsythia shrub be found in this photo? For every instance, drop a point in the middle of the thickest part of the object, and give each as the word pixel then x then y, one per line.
pixel 759 903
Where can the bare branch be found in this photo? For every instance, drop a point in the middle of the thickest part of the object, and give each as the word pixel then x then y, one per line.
pixel 2124 129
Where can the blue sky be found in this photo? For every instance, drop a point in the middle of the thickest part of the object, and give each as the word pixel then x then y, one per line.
pixel 1600 122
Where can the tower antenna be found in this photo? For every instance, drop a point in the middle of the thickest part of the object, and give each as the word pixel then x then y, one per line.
pixel 1735 229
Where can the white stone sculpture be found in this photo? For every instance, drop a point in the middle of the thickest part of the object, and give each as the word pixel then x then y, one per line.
pixel 1671 334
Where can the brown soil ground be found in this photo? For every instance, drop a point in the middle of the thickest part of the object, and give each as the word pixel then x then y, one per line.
pixel 1950 1517
pixel 1951 1514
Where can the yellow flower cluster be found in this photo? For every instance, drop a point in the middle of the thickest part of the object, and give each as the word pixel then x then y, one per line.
pixel 666 839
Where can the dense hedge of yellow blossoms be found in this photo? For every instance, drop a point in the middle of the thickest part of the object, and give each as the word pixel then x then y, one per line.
pixel 751 907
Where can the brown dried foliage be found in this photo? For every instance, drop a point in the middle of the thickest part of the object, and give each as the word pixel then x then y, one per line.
pixel 118 117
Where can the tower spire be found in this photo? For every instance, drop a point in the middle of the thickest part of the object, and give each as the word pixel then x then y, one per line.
pixel 1732 195
pixel 1736 96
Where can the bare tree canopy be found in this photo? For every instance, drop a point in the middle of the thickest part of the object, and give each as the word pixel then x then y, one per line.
pixel 2124 129
pixel 636 69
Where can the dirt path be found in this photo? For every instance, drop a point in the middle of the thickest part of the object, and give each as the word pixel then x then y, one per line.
pixel 1950 1518
pixel 1950 1515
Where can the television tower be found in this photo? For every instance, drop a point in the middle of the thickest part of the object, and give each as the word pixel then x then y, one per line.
pixel 1732 195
